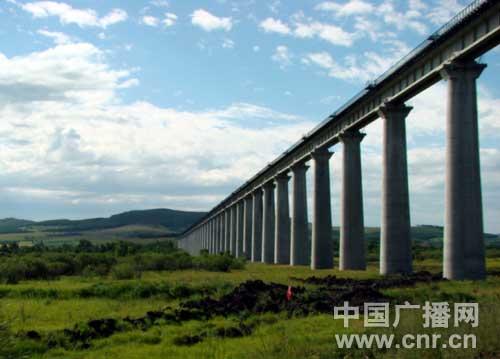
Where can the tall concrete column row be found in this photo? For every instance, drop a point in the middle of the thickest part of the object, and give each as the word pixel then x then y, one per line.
pixel 263 228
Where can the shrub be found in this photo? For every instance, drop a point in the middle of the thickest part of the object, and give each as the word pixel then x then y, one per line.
pixel 12 272
pixel 124 271
pixel 218 263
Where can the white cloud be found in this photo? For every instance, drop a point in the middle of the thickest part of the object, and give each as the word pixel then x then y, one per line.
pixel 274 25
pixel 114 17
pixel 170 19
pixel 362 68
pixel 331 33
pixel 59 38
pixel 282 56
pixel 150 20
pixel 228 44
pixel 55 102
pixel 307 28
pixel 411 19
pixel 444 10
pixel 352 7
pixel 69 15
pixel 256 48
pixel 70 72
pixel 159 3
pixel 210 22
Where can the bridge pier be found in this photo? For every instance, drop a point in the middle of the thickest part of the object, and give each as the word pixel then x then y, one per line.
pixel 322 241
pixel 210 234
pixel 282 228
pixel 227 230
pixel 222 228
pixel 268 224
pixel 257 225
pixel 232 242
pixel 247 227
pixel 352 243
pixel 300 229
pixel 463 255
pixel 395 240
pixel 239 229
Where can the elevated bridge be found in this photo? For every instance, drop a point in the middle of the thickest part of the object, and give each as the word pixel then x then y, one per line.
pixel 254 220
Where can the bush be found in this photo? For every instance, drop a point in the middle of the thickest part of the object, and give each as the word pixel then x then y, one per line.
pixel 11 272
pixel 218 263
pixel 125 271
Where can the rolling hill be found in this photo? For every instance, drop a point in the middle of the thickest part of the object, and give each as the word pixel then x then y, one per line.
pixel 172 220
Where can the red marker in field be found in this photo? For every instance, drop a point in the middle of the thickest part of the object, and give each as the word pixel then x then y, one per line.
pixel 289 293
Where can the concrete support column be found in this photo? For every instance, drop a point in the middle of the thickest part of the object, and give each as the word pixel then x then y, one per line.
pixel 210 227
pixel 395 240
pixel 282 228
pixel 227 230
pixel 216 234
pixel 299 251
pixel 257 226
pixel 207 236
pixel 239 229
pixel 322 242
pixel 464 256
pixel 268 224
pixel 232 237
pixel 352 230
pixel 247 227
pixel 221 232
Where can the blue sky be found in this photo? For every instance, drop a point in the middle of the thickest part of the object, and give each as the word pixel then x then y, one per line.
pixel 107 106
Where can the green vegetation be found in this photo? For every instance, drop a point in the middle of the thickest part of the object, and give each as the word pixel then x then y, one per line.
pixel 129 300
pixel 121 260
pixel 47 308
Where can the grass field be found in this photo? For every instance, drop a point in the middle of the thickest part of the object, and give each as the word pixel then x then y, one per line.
pixel 51 306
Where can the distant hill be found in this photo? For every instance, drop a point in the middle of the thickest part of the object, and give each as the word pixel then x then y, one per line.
pixel 9 225
pixel 175 221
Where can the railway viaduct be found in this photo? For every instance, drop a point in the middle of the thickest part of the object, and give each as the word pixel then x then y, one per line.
pixel 256 220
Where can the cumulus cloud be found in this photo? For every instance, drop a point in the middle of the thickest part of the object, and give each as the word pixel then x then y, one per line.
pixel 443 10
pixel 274 25
pixel 170 19
pixel 359 68
pixel 227 44
pixel 282 56
pixel 352 7
pixel 150 20
pixel 72 72
pixel 69 15
pixel 209 22
pixel 68 140
pixel 58 37
pixel 303 28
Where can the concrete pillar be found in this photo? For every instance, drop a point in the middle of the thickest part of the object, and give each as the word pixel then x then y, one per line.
pixel 268 224
pixel 299 251
pixel 227 230
pixel 232 242
pixel 215 232
pixel 247 227
pixel 257 225
pixel 239 229
pixel 322 242
pixel 208 226
pixel 352 230
pixel 395 239
pixel 464 256
pixel 282 228
pixel 221 233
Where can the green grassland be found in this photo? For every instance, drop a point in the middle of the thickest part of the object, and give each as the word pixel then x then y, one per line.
pixel 47 306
